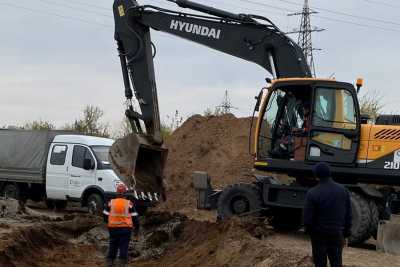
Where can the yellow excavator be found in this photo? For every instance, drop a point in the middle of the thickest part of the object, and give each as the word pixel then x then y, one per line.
pixel 301 120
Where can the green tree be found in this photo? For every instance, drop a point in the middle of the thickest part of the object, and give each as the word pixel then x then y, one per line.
pixel 90 123
pixel 38 125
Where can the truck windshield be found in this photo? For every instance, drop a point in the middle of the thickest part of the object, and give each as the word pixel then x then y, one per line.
pixel 101 153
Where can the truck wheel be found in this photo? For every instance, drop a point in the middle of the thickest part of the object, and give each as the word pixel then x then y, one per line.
pixel 360 231
pixel 95 204
pixel 50 204
pixel 11 191
pixel 374 218
pixel 239 199
pixel 60 204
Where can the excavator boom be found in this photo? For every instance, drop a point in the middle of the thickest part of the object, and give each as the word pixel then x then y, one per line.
pixel 249 37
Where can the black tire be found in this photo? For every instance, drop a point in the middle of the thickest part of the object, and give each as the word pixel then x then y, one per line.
pixel 239 199
pixel 11 190
pixel 374 218
pixel 95 204
pixel 50 204
pixel 360 230
pixel 60 204
pixel 286 219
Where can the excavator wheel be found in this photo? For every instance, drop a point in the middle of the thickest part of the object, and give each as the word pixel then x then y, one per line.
pixel 239 199
pixel 362 219
pixel 374 218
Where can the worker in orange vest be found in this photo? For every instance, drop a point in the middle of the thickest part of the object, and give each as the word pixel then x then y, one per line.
pixel 122 219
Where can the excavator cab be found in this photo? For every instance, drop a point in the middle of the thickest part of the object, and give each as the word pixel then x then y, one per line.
pixel 303 121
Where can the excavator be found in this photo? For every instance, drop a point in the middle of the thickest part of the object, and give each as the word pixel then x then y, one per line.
pixel 300 120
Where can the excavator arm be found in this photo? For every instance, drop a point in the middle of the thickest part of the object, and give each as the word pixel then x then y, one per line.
pixel 250 37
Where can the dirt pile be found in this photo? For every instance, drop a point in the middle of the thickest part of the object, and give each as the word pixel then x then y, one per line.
pixel 41 243
pixel 216 144
pixel 239 242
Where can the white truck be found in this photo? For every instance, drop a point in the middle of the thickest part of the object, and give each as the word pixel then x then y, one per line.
pixel 56 167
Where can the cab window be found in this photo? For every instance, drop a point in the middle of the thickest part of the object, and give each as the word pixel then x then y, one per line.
pixel 268 123
pixel 79 154
pixel 334 108
pixel 58 155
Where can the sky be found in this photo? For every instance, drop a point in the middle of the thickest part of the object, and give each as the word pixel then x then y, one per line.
pixel 57 56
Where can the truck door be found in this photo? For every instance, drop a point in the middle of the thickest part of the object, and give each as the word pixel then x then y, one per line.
pixel 79 178
pixel 57 176
pixel 334 132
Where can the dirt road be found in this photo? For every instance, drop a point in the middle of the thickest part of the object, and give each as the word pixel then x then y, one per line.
pixel 47 238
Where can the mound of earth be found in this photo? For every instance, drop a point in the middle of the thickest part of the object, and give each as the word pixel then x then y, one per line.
pixel 238 242
pixel 42 243
pixel 216 144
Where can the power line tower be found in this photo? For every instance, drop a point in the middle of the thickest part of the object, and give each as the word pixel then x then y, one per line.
pixel 226 105
pixel 305 30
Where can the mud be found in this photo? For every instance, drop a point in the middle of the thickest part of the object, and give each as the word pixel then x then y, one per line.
pixel 165 239
pixel 31 241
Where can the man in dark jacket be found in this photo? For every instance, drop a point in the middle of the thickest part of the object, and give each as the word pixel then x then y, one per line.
pixel 327 218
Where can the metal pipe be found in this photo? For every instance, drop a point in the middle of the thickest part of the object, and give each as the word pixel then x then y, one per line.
pixel 272 64
pixel 207 9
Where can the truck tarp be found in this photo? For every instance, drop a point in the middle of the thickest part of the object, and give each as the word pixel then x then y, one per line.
pixel 23 153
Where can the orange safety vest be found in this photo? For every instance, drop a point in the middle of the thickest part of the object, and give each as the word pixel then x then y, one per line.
pixel 119 214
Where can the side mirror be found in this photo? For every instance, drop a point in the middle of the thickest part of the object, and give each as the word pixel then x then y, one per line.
pixel 88 164
pixel 258 98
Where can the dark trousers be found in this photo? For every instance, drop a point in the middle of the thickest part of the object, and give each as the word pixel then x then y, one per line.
pixel 119 240
pixel 326 247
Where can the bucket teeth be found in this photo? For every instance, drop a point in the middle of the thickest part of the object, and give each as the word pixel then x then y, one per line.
pixel 143 196
pixel 156 196
pixel 135 194
pixel 149 196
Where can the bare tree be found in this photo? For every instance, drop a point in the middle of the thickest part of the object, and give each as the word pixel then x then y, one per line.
pixel 124 129
pixel 371 104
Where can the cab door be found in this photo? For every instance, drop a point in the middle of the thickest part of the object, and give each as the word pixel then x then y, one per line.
pixel 334 131
pixel 57 172
pixel 79 177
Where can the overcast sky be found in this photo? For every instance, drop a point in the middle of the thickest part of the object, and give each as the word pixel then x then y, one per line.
pixel 58 56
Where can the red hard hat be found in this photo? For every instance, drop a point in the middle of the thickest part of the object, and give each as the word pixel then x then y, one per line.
pixel 121 188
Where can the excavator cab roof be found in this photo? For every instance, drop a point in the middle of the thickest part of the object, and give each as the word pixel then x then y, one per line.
pixel 301 82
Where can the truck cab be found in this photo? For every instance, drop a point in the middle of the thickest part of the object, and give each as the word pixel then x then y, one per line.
pixel 78 169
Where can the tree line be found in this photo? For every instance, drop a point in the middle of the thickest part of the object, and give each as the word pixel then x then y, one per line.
pixel 91 123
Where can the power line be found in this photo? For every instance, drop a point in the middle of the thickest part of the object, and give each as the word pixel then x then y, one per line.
pixel 89 5
pixel 381 3
pixel 357 24
pixel 52 3
pixel 345 14
pixel 327 18
pixel 55 15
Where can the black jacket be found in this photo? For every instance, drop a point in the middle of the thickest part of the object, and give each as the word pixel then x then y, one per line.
pixel 327 209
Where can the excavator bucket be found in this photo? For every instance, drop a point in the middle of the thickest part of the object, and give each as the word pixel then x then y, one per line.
pixel 389 235
pixel 140 165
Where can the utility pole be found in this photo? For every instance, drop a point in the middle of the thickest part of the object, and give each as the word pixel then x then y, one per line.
pixel 226 104
pixel 305 30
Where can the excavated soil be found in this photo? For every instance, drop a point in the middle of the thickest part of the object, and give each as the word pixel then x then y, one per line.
pixel 48 238
pixel 216 144
pixel 175 234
